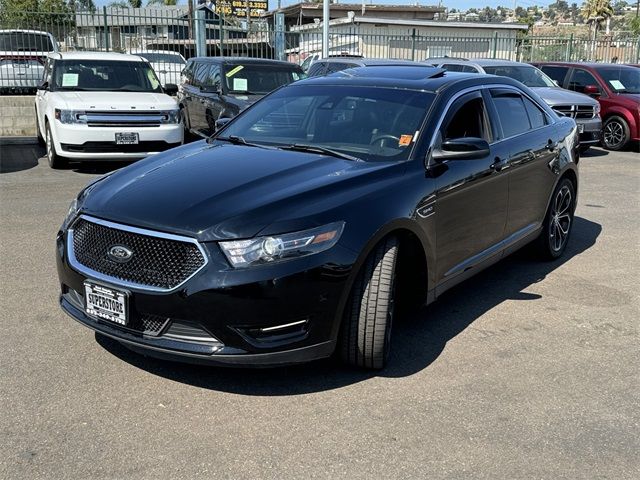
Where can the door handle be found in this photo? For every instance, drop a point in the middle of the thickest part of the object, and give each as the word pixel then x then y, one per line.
pixel 499 164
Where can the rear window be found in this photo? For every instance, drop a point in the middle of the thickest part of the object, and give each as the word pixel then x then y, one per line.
pixel 529 75
pixel 161 57
pixel 258 79
pixel 25 42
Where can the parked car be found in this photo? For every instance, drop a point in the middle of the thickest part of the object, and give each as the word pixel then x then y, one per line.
pixel 299 227
pixel 327 66
pixel 314 57
pixel 22 55
pixel 617 88
pixel 582 108
pixel 168 65
pixel 103 106
pixel 215 88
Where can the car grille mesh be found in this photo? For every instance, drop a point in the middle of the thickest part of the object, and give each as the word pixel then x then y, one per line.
pixel 576 111
pixel 156 262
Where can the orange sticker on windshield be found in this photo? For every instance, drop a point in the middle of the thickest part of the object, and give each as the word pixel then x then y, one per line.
pixel 405 140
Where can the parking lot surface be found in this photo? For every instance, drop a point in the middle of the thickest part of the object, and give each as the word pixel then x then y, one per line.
pixel 529 370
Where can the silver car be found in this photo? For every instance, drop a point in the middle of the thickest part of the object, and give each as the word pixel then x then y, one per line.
pixel 22 54
pixel 167 64
pixel 582 108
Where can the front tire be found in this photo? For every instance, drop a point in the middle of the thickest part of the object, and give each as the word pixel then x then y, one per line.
pixel 55 160
pixel 558 221
pixel 615 133
pixel 366 329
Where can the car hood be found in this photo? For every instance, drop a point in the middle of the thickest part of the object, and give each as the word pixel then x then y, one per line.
pixel 115 101
pixel 217 192
pixel 559 96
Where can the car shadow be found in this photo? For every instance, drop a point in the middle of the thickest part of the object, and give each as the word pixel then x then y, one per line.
pixel 594 152
pixel 417 341
pixel 16 157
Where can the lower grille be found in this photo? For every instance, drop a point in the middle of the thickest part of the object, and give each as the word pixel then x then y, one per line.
pixel 112 147
pixel 157 261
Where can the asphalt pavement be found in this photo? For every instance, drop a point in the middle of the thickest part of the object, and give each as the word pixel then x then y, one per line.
pixel 529 370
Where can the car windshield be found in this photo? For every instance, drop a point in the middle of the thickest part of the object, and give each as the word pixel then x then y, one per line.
pixel 258 79
pixel 154 57
pixel 369 123
pixel 530 76
pixel 622 79
pixel 25 42
pixel 104 75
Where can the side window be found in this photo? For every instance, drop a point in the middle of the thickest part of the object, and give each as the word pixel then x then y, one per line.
pixel 556 73
pixel 48 65
pixel 317 69
pixel 511 112
pixel 187 74
pixel 200 74
pixel 536 116
pixel 580 79
pixel 467 118
pixel 213 76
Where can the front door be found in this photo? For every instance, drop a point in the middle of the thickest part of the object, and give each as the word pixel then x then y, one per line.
pixel 471 195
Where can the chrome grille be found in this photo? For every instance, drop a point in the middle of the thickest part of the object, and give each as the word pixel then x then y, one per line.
pixel 159 261
pixel 575 111
pixel 125 119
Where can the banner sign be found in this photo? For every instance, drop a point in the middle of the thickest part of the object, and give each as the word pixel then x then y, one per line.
pixel 238 8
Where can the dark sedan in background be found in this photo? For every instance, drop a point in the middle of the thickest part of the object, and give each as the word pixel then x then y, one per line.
pixel 300 227
pixel 214 88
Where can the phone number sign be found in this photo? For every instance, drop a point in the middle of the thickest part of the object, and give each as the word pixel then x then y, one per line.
pixel 238 8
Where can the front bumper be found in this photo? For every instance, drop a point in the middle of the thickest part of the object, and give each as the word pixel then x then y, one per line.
pixel 590 130
pixel 98 143
pixel 236 314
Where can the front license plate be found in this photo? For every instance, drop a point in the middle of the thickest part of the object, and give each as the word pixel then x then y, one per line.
pixel 127 138
pixel 105 303
pixel 580 128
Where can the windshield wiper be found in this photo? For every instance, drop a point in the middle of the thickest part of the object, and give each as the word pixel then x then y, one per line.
pixel 234 139
pixel 301 147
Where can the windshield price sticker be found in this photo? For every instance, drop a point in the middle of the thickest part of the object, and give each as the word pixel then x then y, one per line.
pixel 240 84
pixel 235 70
pixel 617 84
pixel 69 79
pixel 405 140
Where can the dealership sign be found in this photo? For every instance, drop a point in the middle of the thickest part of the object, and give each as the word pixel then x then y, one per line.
pixel 238 8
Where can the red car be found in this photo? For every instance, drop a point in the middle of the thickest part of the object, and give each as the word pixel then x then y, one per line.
pixel 617 88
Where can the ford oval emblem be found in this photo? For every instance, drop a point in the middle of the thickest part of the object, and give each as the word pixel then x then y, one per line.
pixel 120 254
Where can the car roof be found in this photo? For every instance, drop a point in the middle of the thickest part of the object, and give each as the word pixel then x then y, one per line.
pixel 245 60
pixel 366 62
pixel 20 30
pixel 594 65
pixel 96 56
pixel 482 62
pixel 418 77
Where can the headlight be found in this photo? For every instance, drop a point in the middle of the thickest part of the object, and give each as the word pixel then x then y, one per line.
pixel 261 250
pixel 172 116
pixel 70 116
pixel 596 110
pixel 71 214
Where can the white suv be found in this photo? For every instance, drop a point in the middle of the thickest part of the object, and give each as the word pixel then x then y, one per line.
pixel 103 106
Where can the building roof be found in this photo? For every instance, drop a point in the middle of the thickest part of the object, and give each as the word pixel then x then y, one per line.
pixel 96 56
pixel 315 9
pixel 413 23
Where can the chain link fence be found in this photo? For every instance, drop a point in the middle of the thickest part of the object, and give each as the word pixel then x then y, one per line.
pixel 166 35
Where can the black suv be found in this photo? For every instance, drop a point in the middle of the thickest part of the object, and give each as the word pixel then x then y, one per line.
pixel 213 88
pixel 299 227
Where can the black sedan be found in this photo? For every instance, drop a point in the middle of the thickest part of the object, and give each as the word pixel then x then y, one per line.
pixel 300 227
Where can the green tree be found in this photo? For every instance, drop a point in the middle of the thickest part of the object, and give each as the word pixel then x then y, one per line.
pixel 595 12
pixel 161 2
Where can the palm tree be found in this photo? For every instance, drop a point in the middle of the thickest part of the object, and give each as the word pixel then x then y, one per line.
pixel 595 12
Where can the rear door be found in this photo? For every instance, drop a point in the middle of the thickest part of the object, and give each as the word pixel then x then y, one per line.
pixel 197 113
pixel 531 138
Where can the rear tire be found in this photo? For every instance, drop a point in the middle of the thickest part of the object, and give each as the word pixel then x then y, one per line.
pixel 55 160
pixel 615 133
pixel 558 222
pixel 366 327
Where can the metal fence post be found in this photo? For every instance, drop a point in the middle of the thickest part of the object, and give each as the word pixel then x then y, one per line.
pixel 495 44
pixel 200 31
pixel 279 40
pixel 106 28
pixel 569 48
pixel 221 33
pixel 413 44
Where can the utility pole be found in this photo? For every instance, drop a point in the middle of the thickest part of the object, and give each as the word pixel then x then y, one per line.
pixel 248 15
pixel 325 29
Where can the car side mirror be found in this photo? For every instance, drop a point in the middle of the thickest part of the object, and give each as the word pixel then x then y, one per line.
pixel 170 89
pixel 43 86
pixel 467 148
pixel 221 122
pixel 592 90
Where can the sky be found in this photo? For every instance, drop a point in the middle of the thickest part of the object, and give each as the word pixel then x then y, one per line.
pixel 457 4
